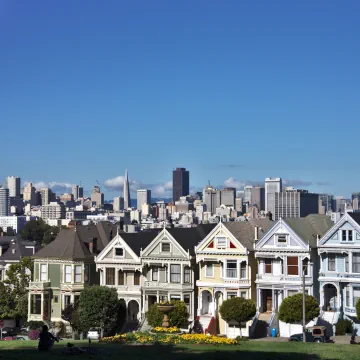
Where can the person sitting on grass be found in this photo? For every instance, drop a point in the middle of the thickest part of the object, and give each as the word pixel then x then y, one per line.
pixel 46 340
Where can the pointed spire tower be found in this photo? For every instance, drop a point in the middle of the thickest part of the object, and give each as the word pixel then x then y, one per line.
pixel 127 200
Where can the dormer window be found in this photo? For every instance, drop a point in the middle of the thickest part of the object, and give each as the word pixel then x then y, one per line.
pixel 221 242
pixel 282 239
pixel 346 235
pixel 119 252
pixel 165 247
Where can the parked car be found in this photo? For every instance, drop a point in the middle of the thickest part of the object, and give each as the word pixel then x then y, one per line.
pixel 313 334
pixel 8 331
pixel 93 334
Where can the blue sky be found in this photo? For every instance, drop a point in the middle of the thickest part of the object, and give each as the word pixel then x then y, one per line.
pixel 234 91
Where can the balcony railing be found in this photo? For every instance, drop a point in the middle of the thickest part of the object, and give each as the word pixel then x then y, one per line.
pixel 41 285
pixel 237 281
pixel 335 274
pixel 282 278
pixel 128 288
pixel 164 285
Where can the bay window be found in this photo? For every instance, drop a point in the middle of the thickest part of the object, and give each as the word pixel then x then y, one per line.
pixel 68 273
pixel 231 269
pixel 293 265
pixel 331 262
pixel 356 263
pixel 110 276
pixel 175 273
pixel 43 272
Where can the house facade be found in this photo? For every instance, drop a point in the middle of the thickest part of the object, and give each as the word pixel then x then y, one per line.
pixel 284 254
pixel 227 268
pixel 339 276
pixel 63 268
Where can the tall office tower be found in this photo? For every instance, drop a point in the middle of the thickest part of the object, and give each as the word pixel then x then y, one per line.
pixel 181 183
pixel 355 200
pixel 47 196
pixel 127 200
pixel 239 204
pixel 272 186
pixel 211 198
pixel 326 201
pixel 29 194
pixel 118 204
pixel 339 204
pixel 4 202
pixel 13 184
pixel 228 196
pixel 97 196
pixel 143 197
pixel 247 193
pixel 295 203
pixel 78 192
pixel 258 197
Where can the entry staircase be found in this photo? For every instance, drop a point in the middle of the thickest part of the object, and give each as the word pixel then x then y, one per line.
pixel 207 323
pixel 262 324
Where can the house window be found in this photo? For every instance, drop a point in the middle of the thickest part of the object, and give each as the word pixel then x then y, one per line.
pixel 187 275
pixel 121 280
pixel 209 270
pixel 231 294
pixel 243 270
pixel 243 294
pixel 350 235
pixel 43 272
pixel 68 273
pixel 293 265
pixel 119 252
pixel 281 239
pixel 175 273
pixel 306 267
pixel 137 275
pixel 356 291
pixel 110 276
pixel 347 302
pixel 268 266
pixel 165 247
pixel 67 300
pixel 331 262
pixel 221 242
pixel 292 292
pixel 78 273
pixel 356 262
pixel 155 274
pixel 86 273
pixel 187 302
pixel 231 269
pixel 36 304
pixel 343 235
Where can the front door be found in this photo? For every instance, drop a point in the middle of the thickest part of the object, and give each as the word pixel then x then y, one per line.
pixel 267 300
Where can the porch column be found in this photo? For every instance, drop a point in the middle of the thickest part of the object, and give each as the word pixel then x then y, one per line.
pixel 143 304
pixel 338 298
pixel 42 305
pixel 350 262
pixel 157 296
pixel 351 295
pixel 116 276
pixel 273 300
pixel 322 300
pixel 181 274
pixel 258 299
pixel 168 279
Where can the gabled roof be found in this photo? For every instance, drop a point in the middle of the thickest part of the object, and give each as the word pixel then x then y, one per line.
pixel 14 248
pixel 138 241
pixel 244 231
pixel 307 228
pixel 355 216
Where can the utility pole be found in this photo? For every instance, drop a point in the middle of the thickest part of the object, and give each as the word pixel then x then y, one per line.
pixel 303 304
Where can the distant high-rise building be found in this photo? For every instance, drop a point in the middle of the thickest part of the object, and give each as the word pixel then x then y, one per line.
pixel 258 197
pixel 77 191
pixel 97 196
pixel 53 211
pixel 355 200
pixel 211 198
pixel 228 196
pixel 181 183
pixel 272 186
pixel 29 194
pixel 118 204
pixel 247 193
pixel 47 196
pixel 326 201
pixel 127 199
pixel 13 184
pixel 239 204
pixel 143 197
pixel 294 203
pixel 339 204
pixel 4 202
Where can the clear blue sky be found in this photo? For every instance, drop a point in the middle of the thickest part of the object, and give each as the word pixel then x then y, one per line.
pixel 228 89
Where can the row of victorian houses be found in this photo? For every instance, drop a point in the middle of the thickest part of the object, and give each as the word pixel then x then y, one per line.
pixel 203 266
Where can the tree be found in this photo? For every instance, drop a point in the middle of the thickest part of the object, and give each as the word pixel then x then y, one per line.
pixel 71 314
pixel 291 308
pixel 17 280
pixel 99 307
pixel 178 317
pixel 40 232
pixel 357 306
pixel 7 305
pixel 238 309
pixel 50 235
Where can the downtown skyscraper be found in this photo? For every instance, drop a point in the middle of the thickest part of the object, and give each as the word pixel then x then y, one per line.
pixel 127 200
pixel 181 183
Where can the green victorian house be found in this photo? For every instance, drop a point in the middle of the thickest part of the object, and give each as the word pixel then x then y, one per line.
pixel 64 267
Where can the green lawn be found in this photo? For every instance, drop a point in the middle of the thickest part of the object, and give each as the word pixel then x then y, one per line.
pixel 246 351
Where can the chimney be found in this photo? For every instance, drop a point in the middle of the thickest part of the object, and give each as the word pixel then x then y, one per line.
pixel 256 238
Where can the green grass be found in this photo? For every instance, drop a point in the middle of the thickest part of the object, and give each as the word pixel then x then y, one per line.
pixel 246 351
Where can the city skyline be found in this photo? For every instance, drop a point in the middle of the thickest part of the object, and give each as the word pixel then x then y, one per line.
pixel 280 71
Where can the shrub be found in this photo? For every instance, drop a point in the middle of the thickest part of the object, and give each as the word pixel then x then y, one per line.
pixel 291 308
pixel 344 327
pixel 34 334
pixel 357 306
pixel 178 317
pixel 34 325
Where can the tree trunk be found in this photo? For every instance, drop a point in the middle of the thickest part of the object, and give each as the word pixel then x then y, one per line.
pixel 102 333
pixel 240 331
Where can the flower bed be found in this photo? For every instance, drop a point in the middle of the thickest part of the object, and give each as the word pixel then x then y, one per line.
pixel 162 330
pixel 146 338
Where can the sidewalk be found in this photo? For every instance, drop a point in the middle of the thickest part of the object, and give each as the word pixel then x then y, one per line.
pixel 343 339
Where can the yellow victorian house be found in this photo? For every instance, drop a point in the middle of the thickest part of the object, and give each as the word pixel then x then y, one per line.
pixel 227 268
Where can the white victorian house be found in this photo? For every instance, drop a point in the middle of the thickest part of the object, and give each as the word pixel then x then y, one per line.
pixel 286 251
pixel 169 267
pixel 339 277
pixel 120 267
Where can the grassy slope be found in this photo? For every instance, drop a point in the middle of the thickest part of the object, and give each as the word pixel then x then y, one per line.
pixel 248 350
